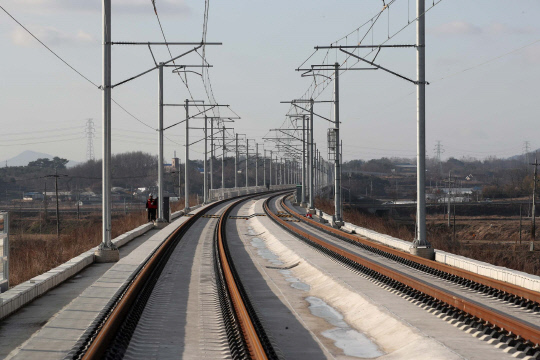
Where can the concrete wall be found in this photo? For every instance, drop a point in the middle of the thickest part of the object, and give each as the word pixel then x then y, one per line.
pixel 220 194
pixel 515 277
pixel 22 294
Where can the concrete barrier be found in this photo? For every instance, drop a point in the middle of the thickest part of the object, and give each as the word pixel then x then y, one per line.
pixel 221 194
pixel 519 278
pixel 22 294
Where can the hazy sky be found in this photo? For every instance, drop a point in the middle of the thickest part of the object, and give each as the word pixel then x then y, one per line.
pixel 482 101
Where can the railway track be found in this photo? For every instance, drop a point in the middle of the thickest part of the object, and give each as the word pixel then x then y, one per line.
pixel 140 313
pixel 497 310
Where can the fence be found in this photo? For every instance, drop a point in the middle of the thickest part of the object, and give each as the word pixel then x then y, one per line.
pixel 4 251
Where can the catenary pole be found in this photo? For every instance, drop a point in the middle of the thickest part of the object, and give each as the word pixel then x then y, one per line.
pixel 533 212
pixel 270 168
pixel 212 153
pixel 303 203
pixel 205 182
pixel 421 235
pixel 58 210
pixel 186 166
pixel 160 144
pixel 256 164
pixel 247 160
pixel 310 166
pixel 223 160
pixel 106 252
pixel 236 162
pixel 337 165
pixel 264 168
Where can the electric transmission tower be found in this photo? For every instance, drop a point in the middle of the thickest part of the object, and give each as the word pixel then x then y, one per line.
pixel 438 151
pixel 90 131
pixel 526 150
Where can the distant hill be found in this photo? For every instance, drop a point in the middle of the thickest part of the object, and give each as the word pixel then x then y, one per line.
pixel 26 156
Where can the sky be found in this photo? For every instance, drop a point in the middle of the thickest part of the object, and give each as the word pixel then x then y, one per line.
pixel 482 63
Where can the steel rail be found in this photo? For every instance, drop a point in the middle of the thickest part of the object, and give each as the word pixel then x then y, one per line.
pixel 508 323
pixel 106 334
pixel 249 332
pixel 107 328
pixel 530 295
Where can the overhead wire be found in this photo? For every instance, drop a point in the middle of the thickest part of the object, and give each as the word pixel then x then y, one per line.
pixel 69 65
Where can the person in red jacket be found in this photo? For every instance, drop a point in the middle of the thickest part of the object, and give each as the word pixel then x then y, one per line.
pixel 151 208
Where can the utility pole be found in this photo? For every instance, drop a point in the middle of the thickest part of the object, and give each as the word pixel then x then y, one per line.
pixel 56 176
pixel 45 215
pixel 186 166
pixel 58 210
pixel 520 222
pixel 236 162
pixel 533 212
pixel 107 251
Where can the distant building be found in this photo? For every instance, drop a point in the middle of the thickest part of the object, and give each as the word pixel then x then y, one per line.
pixel 29 196
pixel 405 169
pixel 62 195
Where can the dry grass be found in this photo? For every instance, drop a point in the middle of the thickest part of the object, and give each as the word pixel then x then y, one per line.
pixel 32 255
pixel 493 252
pixel 179 205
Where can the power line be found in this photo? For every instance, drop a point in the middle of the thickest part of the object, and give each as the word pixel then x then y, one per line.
pixel 133 116
pixel 40 131
pixel 170 53
pixel 43 142
pixel 489 60
pixel 70 66
pixel 71 134
pixel 48 48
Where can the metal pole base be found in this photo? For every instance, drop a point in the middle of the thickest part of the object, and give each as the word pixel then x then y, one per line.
pixel 186 211
pixel 303 204
pixel 106 255
pixel 311 211
pixel 160 223
pixel 423 252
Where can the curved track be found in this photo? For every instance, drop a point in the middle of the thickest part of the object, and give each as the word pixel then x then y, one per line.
pixel 500 310
pixel 157 316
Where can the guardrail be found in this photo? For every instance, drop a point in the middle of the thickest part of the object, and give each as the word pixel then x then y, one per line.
pixel 227 193
pixel 4 251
